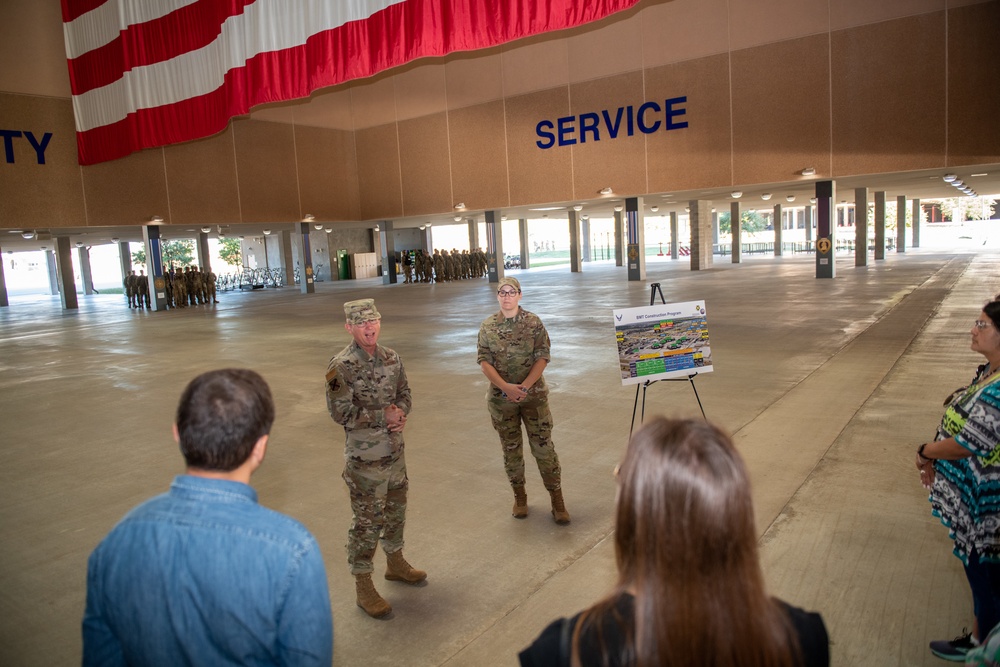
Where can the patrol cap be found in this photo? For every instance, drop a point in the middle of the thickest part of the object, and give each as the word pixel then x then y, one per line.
pixel 361 311
pixel 510 281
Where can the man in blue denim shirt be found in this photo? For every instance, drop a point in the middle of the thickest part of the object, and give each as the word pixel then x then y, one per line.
pixel 203 574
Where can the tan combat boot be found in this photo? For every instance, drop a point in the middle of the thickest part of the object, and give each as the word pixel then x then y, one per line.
pixel 368 598
pixel 559 512
pixel 520 502
pixel 397 569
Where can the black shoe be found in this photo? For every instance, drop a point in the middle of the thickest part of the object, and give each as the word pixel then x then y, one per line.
pixel 955 649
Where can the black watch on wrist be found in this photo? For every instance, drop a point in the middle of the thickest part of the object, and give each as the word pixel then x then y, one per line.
pixel 920 452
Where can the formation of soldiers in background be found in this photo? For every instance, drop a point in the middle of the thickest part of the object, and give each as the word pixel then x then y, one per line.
pixel 419 266
pixel 184 287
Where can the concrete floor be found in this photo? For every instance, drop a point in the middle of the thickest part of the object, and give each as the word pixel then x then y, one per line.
pixel 828 386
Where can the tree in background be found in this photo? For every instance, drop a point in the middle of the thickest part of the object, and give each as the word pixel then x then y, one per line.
pixel 968 208
pixel 175 253
pixel 230 251
pixel 750 221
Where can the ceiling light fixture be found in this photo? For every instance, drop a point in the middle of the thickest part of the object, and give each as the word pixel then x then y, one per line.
pixel 267 232
pixel 422 228
pixel 459 205
pixel 328 229
pixel 585 216
pixel 156 219
pixel 206 230
pixel 618 208
pixel 79 244
pixel 308 217
pixel 458 218
pixel 809 171
pixel 980 174
pixel 578 207
pixel 736 194
pixel 949 178
pixel 790 198
pixel 654 209
pixel 317 227
pixel 27 234
pixel 607 191
pixel 766 196
pixel 812 200
pixel 114 239
pixel 503 217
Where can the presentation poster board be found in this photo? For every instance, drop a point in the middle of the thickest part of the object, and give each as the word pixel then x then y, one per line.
pixel 662 342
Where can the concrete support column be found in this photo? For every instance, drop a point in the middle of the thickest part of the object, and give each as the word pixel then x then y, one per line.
pixel 778 225
pixel 494 247
pixel 587 250
pixel 64 264
pixel 715 228
pixel 287 260
pixel 154 267
pixel 736 227
pixel 124 259
pixel 205 258
pixel 473 234
pixel 575 265
pixel 901 223
pixel 701 234
pixel 86 274
pixel 807 218
pixel 635 233
pixel 619 237
pixel 917 221
pixel 880 225
pixel 387 246
pixel 674 242
pixel 307 283
pixel 332 258
pixel 522 232
pixel 826 226
pixel 50 266
pixel 860 226
pixel 4 302
pixel 427 240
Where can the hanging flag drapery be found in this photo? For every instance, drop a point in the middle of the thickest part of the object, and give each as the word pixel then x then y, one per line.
pixel 148 73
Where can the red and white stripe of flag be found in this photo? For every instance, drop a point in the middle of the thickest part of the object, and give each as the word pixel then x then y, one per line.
pixel 148 73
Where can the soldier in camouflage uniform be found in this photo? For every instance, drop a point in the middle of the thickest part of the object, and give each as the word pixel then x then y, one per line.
pixel 130 289
pixel 368 394
pixel 180 289
pixel 513 351
pixel 439 275
pixel 142 290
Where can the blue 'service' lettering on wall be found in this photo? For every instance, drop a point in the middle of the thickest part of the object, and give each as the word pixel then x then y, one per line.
pixel 39 145
pixel 648 118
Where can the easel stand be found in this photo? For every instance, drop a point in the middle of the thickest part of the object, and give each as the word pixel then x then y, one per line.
pixel 653 290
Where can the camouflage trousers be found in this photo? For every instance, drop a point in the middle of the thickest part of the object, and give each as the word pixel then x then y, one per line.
pixel 534 412
pixel 378 500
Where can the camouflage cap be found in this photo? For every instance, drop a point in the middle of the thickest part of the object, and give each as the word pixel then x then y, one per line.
pixel 510 281
pixel 361 311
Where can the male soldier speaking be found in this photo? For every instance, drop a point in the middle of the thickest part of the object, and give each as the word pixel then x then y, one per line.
pixel 367 393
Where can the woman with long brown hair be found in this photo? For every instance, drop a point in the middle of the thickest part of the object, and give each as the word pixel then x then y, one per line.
pixel 690 589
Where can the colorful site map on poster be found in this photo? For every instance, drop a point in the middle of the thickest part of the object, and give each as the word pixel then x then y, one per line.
pixel 662 342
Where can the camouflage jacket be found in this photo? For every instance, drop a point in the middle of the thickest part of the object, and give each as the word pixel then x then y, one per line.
pixel 512 346
pixel 358 388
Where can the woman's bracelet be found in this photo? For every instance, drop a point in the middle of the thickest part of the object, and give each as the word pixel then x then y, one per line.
pixel 920 453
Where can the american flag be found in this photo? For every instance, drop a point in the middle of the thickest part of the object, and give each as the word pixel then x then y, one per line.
pixel 148 73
